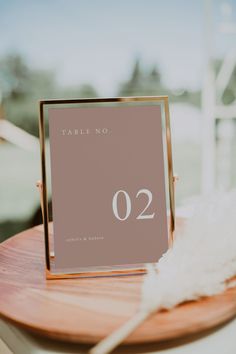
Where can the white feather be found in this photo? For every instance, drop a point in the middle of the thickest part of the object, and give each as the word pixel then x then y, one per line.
pixel 202 259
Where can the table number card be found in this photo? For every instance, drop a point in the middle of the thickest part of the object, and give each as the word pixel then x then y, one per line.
pixel 108 186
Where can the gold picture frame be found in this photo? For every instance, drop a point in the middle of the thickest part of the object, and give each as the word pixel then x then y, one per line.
pixel 42 184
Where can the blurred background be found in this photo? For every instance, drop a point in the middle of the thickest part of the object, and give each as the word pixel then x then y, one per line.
pixel 78 48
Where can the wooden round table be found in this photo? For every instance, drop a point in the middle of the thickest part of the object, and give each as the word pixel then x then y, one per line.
pixel 87 310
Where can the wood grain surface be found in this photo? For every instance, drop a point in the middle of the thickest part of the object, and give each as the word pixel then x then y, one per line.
pixel 87 310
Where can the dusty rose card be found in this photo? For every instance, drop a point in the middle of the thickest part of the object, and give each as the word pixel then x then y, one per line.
pixel 108 186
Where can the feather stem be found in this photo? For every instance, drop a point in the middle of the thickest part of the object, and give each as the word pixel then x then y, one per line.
pixel 109 343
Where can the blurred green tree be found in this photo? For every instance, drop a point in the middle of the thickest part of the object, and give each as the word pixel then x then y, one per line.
pixel 14 76
pixel 21 87
pixel 149 82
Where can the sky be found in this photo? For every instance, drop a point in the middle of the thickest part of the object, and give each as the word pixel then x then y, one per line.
pixel 97 41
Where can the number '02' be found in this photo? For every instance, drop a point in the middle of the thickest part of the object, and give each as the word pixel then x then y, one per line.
pixel 142 215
